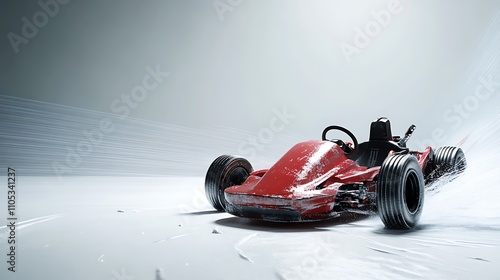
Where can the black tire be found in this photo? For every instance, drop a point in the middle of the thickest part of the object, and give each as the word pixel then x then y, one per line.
pixel 449 161
pixel 400 192
pixel 224 172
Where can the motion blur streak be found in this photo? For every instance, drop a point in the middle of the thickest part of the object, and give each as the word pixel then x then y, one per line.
pixel 47 139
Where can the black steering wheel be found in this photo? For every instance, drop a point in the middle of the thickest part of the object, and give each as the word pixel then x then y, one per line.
pixel 346 148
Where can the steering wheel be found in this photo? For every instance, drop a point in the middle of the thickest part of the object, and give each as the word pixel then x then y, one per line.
pixel 346 148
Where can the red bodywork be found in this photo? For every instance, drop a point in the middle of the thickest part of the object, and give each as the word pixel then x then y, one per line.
pixel 314 180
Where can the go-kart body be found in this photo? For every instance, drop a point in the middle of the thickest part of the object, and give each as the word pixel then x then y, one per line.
pixel 319 179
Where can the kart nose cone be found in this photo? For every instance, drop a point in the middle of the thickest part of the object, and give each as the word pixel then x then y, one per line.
pixel 291 208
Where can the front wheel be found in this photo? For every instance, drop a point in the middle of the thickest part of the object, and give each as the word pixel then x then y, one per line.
pixel 400 192
pixel 224 172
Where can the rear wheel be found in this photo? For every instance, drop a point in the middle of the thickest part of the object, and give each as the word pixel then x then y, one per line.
pixel 400 192
pixel 449 160
pixel 224 172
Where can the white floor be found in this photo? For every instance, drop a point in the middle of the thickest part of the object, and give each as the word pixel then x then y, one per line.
pixel 128 228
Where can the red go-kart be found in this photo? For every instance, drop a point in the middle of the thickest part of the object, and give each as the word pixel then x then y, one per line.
pixel 318 180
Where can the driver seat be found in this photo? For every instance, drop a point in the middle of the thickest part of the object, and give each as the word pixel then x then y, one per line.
pixel 374 151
